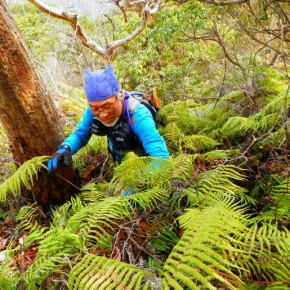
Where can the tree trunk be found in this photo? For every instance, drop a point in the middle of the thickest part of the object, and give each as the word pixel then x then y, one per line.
pixel 27 112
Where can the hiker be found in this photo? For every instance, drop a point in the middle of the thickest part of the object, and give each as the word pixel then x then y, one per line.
pixel 125 121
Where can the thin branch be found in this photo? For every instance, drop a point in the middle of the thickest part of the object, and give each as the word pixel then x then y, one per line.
pixel 73 19
pixel 226 53
pixel 121 7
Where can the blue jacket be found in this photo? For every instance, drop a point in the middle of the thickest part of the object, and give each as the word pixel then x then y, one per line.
pixel 143 125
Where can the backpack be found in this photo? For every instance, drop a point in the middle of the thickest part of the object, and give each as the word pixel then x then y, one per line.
pixel 149 101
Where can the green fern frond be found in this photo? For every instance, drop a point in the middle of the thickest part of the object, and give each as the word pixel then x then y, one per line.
pixel 148 200
pixel 9 277
pixel 218 185
pixel 277 286
pixel 141 173
pixel 267 253
pixel 26 216
pixel 94 192
pixel 237 125
pixel 182 167
pixel 265 123
pixel 199 257
pixel 218 118
pixel 190 124
pixel 281 196
pixel 94 272
pixel 218 154
pixel 55 249
pixel 274 139
pixel 41 269
pixel 165 241
pixel 96 144
pixel 172 134
pixel 94 222
pixel 164 114
pixel 24 175
pixel 198 143
pixel 68 209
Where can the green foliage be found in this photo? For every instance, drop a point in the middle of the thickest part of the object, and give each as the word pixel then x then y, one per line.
pixel 199 257
pixel 147 172
pixel 24 175
pixel 8 278
pixel 213 228
pixel 267 253
pixel 35 28
pixel 94 272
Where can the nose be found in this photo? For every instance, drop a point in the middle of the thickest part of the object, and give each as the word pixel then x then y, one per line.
pixel 103 114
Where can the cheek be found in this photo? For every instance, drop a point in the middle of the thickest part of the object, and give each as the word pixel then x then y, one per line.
pixel 94 111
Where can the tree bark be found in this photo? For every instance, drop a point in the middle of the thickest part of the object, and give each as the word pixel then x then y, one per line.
pixel 27 112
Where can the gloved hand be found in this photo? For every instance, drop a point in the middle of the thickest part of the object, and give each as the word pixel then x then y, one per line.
pixel 62 153
pixel 128 192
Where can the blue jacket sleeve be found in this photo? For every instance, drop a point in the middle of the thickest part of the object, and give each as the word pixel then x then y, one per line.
pixel 145 129
pixel 81 136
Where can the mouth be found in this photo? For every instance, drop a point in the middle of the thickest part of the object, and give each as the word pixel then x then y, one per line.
pixel 110 121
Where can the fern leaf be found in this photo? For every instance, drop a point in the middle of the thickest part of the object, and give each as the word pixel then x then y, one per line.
pixel 24 175
pixel 94 272
pixel 148 200
pixel 198 258
pixel 199 143
pixel 141 173
pixel 95 220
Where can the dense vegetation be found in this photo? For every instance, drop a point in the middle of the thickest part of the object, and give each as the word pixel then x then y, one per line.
pixel 214 215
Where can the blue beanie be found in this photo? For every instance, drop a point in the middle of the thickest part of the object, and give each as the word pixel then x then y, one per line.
pixel 100 84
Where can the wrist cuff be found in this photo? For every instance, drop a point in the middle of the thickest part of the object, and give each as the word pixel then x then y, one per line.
pixel 65 147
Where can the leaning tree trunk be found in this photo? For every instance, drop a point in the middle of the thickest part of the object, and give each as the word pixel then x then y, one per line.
pixel 27 113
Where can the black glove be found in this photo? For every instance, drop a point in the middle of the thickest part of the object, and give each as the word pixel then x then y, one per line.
pixel 62 153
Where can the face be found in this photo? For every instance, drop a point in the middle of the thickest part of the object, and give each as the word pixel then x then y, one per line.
pixel 107 111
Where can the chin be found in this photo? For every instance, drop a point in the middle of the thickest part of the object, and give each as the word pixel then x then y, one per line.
pixel 110 123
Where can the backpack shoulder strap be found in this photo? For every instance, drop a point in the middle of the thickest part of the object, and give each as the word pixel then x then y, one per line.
pixel 129 107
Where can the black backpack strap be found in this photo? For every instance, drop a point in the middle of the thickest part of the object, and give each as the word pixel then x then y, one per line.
pixel 126 110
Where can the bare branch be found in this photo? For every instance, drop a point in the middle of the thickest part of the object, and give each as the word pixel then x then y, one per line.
pixel 147 12
pixel 104 53
pixel 73 21
pixel 121 7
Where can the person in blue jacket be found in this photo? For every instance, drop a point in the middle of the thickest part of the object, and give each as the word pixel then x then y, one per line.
pixel 125 121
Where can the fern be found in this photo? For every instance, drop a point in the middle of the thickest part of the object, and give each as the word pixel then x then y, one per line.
pixel 218 155
pixel 141 173
pixel 199 258
pixel 267 253
pixel 95 221
pixel 198 143
pixel 172 135
pixel 26 216
pixel 165 241
pixel 54 250
pixel 148 200
pixel 24 175
pixel 94 272
pixel 218 186
pixel 9 277
pixel 238 126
